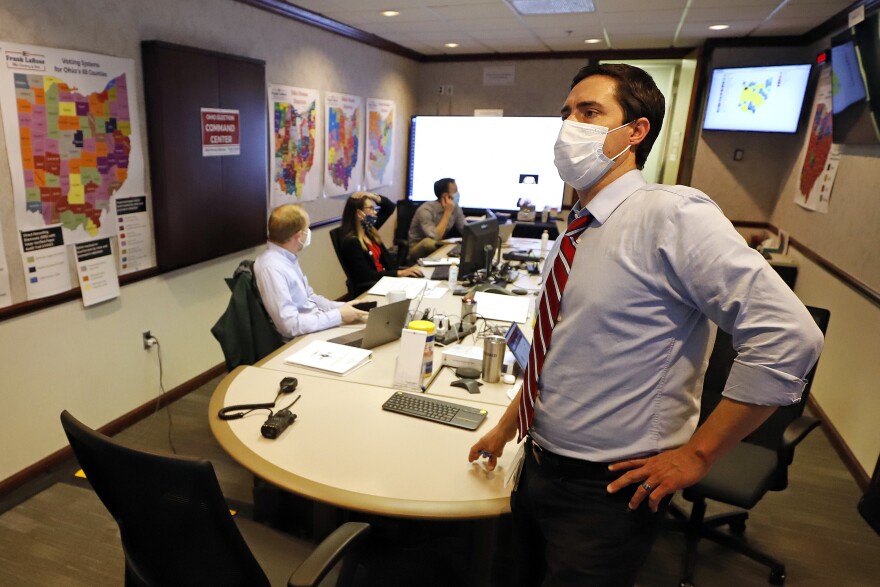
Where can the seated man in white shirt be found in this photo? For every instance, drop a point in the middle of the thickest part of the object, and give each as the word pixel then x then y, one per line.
pixel 294 307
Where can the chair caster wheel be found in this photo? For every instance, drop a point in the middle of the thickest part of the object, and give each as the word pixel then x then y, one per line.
pixel 738 527
pixel 777 577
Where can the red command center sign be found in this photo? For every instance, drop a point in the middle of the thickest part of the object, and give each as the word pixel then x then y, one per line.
pixel 220 132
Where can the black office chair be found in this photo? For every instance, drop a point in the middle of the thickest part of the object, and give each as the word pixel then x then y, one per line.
pixel 336 239
pixel 753 467
pixel 177 530
pixel 245 331
pixel 869 504
pixel 406 209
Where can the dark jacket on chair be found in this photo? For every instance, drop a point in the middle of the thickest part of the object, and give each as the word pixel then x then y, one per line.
pixel 245 331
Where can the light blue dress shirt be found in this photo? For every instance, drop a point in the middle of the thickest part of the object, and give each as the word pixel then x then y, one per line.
pixel 294 307
pixel 623 376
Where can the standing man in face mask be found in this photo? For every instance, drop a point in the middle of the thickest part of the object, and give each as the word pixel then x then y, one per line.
pixel 294 307
pixel 433 220
pixel 611 394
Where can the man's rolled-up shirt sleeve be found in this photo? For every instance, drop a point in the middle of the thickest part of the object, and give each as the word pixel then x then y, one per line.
pixel 775 336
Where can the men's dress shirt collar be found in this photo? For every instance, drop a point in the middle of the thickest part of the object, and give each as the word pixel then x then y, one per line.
pixel 606 202
pixel 279 249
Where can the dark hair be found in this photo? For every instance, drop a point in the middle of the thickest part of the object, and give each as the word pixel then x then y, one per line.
pixel 637 94
pixel 441 186
pixel 350 221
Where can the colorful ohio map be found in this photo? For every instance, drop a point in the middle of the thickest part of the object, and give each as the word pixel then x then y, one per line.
pixel 754 95
pixel 343 137
pixel 818 148
pixel 74 148
pixel 294 146
pixel 379 135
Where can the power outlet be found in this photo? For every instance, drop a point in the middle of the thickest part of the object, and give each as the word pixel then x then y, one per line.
pixel 442 90
pixel 148 339
pixel 447 90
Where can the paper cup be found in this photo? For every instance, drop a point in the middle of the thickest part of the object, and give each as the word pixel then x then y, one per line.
pixel 397 295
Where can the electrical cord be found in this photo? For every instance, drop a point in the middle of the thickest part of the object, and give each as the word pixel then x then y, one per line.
pixel 287 385
pixel 164 393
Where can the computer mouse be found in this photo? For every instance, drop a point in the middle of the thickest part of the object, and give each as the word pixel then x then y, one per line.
pixel 467 373
pixel 489 288
pixel 519 291
pixel 471 385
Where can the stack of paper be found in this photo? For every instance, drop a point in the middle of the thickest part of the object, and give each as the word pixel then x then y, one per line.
pixel 503 308
pixel 412 287
pixel 330 357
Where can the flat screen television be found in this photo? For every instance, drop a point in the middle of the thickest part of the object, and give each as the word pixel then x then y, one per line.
pixel 479 241
pixel 494 160
pixel 855 75
pixel 757 99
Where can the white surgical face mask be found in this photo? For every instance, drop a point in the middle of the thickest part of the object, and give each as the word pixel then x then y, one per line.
pixel 579 158
pixel 308 240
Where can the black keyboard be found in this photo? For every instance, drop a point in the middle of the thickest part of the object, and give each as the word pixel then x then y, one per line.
pixel 435 410
pixel 441 273
pixel 455 251
pixel 525 256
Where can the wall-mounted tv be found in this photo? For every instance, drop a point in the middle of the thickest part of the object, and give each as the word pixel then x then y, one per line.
pixel 757 99
pixel 855 70
pixel 495 160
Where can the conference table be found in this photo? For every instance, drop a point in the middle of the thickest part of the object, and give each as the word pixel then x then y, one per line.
pixel 346 451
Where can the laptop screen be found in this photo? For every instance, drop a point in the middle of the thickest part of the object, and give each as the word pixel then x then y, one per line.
pixel 518 345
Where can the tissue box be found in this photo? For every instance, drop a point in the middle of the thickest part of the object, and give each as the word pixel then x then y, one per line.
pixel 463 356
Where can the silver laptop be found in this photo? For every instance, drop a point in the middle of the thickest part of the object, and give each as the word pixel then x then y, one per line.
pixel 383 325
pixel 505 231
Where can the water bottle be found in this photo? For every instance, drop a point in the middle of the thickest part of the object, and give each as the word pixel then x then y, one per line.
pixel 545 214
pixel 545 238
pixel 453 276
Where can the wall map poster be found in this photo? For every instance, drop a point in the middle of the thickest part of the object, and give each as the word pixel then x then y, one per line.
pixel 821 156
pixel 73 137
pixel 344 164
pixel 380 143
pixel 294 145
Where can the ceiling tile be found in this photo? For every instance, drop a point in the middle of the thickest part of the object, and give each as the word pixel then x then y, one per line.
pixel 609 6
pixel 653 16
pixel 724 14
pixel 362 17
pixel 324 6
pixel 476 10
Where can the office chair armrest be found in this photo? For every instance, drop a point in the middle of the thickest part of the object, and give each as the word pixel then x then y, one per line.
pixel 337 545
pixel 798 430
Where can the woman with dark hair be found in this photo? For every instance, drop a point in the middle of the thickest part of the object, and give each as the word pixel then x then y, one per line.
pixel 364 256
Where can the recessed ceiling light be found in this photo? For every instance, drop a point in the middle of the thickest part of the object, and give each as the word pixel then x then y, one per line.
pixel 592 41
pixel 719 27
pixel 532 7
pixel 389 13
pixel 451 45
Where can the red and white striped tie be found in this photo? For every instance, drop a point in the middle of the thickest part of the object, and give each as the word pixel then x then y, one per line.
pixel 548 313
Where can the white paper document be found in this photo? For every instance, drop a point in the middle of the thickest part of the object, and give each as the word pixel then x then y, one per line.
pixel 330 357
pixel 412 287
pixel 500 307
pixel 96 268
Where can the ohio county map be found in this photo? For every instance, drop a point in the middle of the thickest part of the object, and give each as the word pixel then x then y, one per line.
pixel 74 148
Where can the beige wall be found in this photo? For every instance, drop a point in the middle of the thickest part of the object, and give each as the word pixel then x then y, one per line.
pixel 91 361
pixel 761 188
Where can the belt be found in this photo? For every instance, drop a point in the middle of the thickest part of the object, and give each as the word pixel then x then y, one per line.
pixel 558 465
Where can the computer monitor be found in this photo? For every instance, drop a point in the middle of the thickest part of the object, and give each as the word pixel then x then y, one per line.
pixel 479 241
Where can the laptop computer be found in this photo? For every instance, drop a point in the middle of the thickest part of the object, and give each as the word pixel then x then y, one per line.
pixel 505 231
pixel 383 325
pixel 518 345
